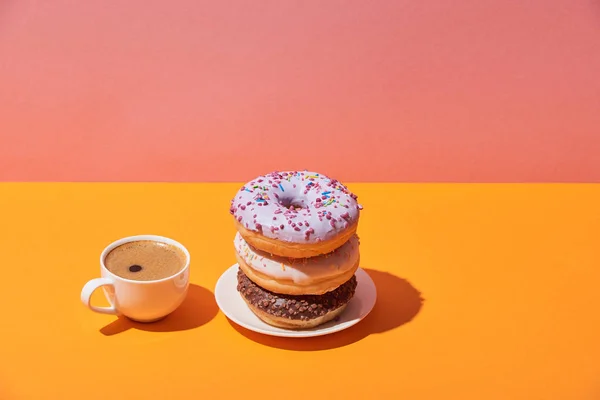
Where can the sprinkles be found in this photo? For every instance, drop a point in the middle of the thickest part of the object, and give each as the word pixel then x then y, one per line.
pixel 276 206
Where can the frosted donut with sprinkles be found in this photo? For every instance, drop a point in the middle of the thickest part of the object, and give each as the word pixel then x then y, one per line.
pixel 295 214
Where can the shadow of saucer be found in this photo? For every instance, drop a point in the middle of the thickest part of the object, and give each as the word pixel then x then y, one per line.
pixel 398 302
pixel 198 308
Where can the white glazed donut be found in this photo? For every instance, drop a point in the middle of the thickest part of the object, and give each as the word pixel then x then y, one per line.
pixel 295 213
pixel 315 275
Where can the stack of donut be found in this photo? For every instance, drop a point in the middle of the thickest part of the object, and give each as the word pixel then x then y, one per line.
pixel 296 247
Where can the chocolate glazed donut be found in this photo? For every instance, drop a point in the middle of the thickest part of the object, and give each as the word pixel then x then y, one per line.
pixel 295 312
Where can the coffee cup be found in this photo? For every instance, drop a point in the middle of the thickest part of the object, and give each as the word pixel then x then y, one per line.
pixel 151 287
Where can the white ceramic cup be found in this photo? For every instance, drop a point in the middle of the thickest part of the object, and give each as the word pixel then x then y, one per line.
pixel 143 301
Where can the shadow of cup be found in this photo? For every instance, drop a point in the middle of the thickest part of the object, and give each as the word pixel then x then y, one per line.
pixel 198 308
pixel 398 302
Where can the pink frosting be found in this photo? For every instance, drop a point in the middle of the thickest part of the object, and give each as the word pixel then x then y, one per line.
pixel 323 207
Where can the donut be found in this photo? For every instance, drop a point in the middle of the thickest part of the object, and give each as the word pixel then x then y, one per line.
pixel 300 276
pixel 295 214
pixel 295 312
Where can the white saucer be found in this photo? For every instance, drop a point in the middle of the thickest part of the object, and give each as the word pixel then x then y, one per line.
pixel 233 306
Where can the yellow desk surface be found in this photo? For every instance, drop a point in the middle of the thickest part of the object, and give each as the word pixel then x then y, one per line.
pixel 509 278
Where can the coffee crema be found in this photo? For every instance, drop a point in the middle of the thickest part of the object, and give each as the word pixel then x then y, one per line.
pixel 145 260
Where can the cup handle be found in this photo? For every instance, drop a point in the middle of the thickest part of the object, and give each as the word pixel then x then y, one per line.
pixel 89 288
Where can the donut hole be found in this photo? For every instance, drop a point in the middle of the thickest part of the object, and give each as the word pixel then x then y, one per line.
pixel 292 203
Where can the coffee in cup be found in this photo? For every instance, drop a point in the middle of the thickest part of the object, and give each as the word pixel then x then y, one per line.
pixel 144 278
pixel 145 260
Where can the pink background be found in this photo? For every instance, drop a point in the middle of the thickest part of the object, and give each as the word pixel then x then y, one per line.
pixel 488 90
